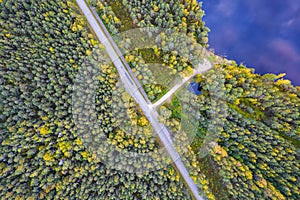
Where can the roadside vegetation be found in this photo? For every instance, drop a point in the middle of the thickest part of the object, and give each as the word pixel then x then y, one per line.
pixel 181 19
pixel 247 142
pixel 64 117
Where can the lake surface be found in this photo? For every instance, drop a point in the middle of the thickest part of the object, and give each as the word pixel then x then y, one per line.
pixel 262 34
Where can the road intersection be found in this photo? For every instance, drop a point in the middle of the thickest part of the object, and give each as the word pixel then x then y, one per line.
pixel 133 86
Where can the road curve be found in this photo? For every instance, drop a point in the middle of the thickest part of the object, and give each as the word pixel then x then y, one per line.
pixel 135 91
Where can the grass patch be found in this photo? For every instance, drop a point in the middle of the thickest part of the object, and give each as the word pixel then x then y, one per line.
pixel 209 168
pixel 149 56
pixel 159 95
pixel 257 114
pixel 123 14
pixel 295 142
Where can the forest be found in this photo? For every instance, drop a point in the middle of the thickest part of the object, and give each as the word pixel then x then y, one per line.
pixel 49 70
pixel 69 129
pixel 247 141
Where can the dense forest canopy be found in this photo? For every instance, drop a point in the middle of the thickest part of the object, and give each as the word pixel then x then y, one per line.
pixel 52 138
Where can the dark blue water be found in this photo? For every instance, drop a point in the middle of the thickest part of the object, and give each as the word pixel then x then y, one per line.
pixel 262 34
pixel 194 88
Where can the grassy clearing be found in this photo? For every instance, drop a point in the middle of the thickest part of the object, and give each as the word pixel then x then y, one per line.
pixel 123 14
pixel 149 56
pixel 209 168
pixel 127 24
